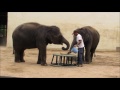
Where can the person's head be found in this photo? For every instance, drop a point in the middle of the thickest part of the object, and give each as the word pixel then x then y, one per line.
pixel 75 33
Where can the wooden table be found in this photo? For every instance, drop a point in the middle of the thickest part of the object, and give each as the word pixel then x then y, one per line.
pixel 63 59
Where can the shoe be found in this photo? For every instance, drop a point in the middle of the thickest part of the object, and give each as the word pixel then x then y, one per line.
pixel 74 64
pixel 80 65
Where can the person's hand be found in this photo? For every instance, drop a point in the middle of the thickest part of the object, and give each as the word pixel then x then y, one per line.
pixel 69 52
pixel 75 45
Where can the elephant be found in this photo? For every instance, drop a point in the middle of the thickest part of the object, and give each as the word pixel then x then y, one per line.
pixel 34 35
pixel 91 38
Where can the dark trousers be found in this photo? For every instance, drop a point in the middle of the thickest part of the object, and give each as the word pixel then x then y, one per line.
pixel 80 55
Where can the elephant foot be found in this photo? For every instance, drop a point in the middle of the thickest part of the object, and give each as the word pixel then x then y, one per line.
pixel 44 64
pixel 86 62
pixel 38 62
pixel 17 61
pixel 80 65
pixel 22 60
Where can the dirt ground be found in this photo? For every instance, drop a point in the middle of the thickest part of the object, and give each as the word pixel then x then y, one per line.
pixel 104 65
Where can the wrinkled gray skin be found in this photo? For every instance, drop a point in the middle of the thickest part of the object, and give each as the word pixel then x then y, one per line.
pixel 33 35
pixel 91 39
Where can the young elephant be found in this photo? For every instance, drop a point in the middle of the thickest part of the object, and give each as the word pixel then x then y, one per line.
pixel 34 35
pixel 91 38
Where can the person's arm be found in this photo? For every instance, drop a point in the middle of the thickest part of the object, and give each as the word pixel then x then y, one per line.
pixel 78 43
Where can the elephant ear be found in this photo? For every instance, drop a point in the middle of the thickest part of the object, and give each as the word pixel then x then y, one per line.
pixel 85 34
pixel 52 32
pixel 55 30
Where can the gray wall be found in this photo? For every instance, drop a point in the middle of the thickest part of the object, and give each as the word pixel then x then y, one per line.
pixel 107 23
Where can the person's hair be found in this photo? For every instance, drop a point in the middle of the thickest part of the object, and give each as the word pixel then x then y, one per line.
pixel 75 32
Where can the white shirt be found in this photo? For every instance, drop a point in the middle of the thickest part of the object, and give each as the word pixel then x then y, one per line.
pixel 79 37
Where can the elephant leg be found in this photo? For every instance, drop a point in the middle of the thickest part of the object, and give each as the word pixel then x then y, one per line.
pixel 43 60
pixel 39 59
pixel 17 56
pixel 13 51
pixel 87 55
pixel 92 52
pixel 42 55
pixel 21 56
pixel 83 56
pixel 91 56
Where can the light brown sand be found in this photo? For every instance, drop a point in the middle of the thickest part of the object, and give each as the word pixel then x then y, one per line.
pixel 104 65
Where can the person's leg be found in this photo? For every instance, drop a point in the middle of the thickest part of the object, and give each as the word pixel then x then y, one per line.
pixel 80 53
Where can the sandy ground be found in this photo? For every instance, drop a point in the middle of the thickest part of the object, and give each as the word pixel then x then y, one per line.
pixel 104 65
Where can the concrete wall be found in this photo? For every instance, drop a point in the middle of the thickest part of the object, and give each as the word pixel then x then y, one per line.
pixel 107 23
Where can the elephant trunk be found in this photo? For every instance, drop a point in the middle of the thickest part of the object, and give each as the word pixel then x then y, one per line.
pixel 73 42
pixel 67 43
